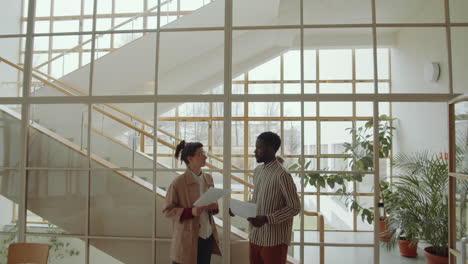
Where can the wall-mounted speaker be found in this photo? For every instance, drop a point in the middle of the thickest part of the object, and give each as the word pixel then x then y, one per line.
pixel 432 72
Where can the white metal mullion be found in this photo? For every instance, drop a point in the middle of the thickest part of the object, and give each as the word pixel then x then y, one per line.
pixel 251 171
pixel 395 97
pixel 353 124
pixel 376 140
pixel 80 38
pixel 112 38
pixel 25 110
pixel 276 27
pixel 302 133
pixel 155 133
pixel 334 244
pixel 90 124
pixel 97 237
pixel 449 44
pixel 376 183
pixel 451 107
pixel 390 104
pixel 88 169
pixel 155 197
pixel 318 139
pixel 362 25
pixel 155 186
pixel 227 129
pixel 20 36
pixel 50 44
pixel 145 10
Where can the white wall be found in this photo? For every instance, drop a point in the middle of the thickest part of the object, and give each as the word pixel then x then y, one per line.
pixel 10 13
pixel 415 48
pixel 420 127
pixel 460 59
pixel 9 140
pixel 7 212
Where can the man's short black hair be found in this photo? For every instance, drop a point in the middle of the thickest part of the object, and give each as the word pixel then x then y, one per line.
pixel 271 139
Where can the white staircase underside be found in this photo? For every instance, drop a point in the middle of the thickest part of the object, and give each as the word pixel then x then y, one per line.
pixel 193 62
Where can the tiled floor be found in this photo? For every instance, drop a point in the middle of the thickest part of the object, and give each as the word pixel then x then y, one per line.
pixel 393 257
pixel 353 255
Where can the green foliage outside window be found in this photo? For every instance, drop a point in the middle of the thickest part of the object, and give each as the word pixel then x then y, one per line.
pixel 360 158
pixel 59 247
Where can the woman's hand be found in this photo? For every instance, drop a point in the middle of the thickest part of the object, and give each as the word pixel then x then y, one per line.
pixel 197 210
pixel 212 207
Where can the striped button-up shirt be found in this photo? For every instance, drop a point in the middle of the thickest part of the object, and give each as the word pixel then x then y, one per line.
pixel 276 197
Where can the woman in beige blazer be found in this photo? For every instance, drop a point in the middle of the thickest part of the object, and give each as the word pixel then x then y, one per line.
pixel 194 235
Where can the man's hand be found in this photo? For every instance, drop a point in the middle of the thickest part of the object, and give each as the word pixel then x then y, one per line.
pixel 258 221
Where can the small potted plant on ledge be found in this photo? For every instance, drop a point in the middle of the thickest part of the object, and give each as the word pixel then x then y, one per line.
pixel 401 228
pixel 419 205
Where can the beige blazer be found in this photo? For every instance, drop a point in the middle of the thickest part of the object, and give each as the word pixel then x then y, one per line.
pixel 182 193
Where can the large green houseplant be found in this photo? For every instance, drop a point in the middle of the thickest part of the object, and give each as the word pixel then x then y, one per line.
pixel 419 205
pixel 360 158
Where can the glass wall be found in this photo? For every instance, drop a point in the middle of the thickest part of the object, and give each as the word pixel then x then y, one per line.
pixel 91 113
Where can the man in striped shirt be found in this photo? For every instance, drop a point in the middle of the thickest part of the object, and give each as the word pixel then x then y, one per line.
pixel 277 203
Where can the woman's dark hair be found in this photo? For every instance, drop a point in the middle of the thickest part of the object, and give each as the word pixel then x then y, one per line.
pixel 185 150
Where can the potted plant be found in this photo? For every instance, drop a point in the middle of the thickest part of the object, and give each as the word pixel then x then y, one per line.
pixel 401 226
pixel 419 206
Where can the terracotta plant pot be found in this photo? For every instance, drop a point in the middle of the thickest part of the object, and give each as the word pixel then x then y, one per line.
pixel 383 227
pixel 431 258
pixel 407 249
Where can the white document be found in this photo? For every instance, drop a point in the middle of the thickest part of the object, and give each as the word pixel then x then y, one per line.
pixel 243 209
pixel 210 196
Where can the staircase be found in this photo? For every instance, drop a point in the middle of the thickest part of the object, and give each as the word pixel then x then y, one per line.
pixel 120 200
pixel 110 189
pixel 120 205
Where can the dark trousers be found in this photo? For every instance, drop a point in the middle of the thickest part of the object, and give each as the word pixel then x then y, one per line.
pixel 204 250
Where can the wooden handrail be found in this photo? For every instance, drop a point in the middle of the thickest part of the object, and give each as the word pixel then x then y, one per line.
pixel 321 229
pixel 79 91
pixel 36 76
pixel 321 222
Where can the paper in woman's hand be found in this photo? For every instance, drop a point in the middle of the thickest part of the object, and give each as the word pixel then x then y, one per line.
pixel 210 196
pixel 243 209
